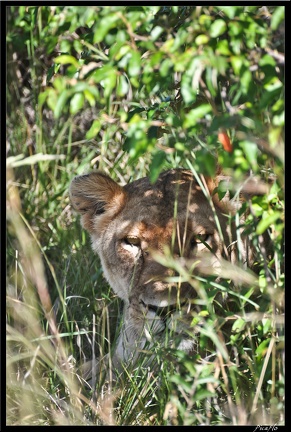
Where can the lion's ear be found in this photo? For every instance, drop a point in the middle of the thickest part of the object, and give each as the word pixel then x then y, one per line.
pixel 251 186
pixel 97 198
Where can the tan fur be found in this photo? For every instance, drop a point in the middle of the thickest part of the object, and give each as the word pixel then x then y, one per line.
pixel 129 224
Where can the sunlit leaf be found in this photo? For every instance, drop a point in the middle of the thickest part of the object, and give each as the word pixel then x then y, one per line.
pixel 156 165
pixel 238 325
pixel 65 59
pixel 134 64
pixel 277 17
pixel 202 39
pixel 123 86
pixel 217 28
pixel 94 129
pixel 76 103
pixel 267 221
pixel 104 25
pixel 61 103
pixel 251 151
pixel 195 114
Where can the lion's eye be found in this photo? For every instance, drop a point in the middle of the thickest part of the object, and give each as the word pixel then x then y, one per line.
pixel 198 239
pixel 202 238
pixel 133 241
pixel 131 245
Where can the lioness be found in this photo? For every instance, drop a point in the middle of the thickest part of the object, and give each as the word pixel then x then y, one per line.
pixel 130 225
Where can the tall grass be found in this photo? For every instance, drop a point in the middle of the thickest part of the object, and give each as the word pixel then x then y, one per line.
pixel 61 313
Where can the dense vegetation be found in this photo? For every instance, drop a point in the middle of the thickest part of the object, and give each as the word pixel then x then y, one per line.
pixel 133 90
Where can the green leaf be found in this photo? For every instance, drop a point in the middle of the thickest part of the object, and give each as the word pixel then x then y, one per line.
pixel 109 83
pixel 277 17
pixel 60 83
pixel 65 59
pixel 211 81
pixel 119 50
pixel 195 114
pixel 230 11
pixel 274 84
pixel 246 79
pixel 217 28
pixel 279 119
pixel 156 32
pixel 206 162
pixel 52 99
pixel 42 97
pixel 90 97
pixel 134 64
pixel 238 325
pixel 123 86
pixel 165 67
pixel 257 209
pixel 224 121
pixel 223 48
pixel 267 60
pixel 94 129
pixel 101 73
pixel 104 25
pixel 202 39
pixel 267 325
pixel 77 102
pixel 262 349
pixel 203 393
pixel 251 152
pixel 52 71
pixel 263 282
pixel 61 103
pixel 180 147
pixel 236 63
pixel 274 136
pixel 178 379
pixel 267 221
pixel 157 165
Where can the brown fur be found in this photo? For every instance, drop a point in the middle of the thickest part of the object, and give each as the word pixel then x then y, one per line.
pixel 129 224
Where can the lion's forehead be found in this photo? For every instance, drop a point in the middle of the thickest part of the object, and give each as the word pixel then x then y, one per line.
pixel 161 198
pixel 158 221
pixel 168 184
pixel 153 211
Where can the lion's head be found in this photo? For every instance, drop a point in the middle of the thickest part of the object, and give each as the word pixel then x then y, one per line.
pixel 130 225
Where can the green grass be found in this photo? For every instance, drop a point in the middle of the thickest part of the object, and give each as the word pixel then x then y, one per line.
pixel 61 312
